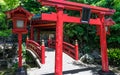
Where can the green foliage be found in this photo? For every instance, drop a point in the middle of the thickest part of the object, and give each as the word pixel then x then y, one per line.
pixel 24 50
pixel 85 34
pixel 5 33
pixel 114 56
pixel 34 6
pixel 114 38
pixel 10 4
pixel 6 5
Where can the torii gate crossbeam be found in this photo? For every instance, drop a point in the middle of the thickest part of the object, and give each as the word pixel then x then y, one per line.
pixel 70 19
pixel 75 6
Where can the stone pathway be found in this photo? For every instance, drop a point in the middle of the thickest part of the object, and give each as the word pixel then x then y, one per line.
pixel 69 68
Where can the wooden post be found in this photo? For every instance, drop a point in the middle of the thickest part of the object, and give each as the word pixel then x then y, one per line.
pixel 32 33
pixel 38 35
pixel 103 45
pixel 43 52
pixel 27 41
pixel 20 50
pixel 59 41
pixel 49 40
pixel 76 50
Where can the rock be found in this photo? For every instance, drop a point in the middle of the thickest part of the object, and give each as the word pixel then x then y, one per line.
pixel 95 54
pixel 1 48
pixel 87 59
pixel 9 65
pixel 15 60
pixel 79 63
pixel 119 68
pixel 8 46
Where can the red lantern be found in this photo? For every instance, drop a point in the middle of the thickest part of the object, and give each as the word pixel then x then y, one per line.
pixel 108 22
pixel 19 17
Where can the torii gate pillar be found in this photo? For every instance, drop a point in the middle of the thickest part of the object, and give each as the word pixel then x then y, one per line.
pixel 104 56
pixel 103 44
pixel 59 41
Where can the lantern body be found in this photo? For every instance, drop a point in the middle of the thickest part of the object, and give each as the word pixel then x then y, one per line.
pixel 19 25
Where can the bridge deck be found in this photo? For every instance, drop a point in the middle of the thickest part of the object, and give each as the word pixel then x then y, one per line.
pixel 68 67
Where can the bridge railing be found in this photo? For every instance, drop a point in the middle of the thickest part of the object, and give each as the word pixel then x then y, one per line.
pixel 37 49
pixel 51 43
pixel 69 49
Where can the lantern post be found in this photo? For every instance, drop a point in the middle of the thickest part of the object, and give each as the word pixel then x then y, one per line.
pixel 19 17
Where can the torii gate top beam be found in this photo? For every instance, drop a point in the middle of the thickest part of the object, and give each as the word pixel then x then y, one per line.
pixel 76 6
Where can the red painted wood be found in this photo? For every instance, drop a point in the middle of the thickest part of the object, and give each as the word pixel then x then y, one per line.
pixel 103 45
pixel 33 43
pixel 76 6
pixel 97 30
pixel 38 35
pixel 59 41
pixel 37 49
pixel 20 49
pixel 49 42
pixel 32 33
pixel 14 20
pixel 67 18
pixel 70 45
pixel 17 11
pixel 109 22
pixel 43 53
pixel 76 51
pixel 69 49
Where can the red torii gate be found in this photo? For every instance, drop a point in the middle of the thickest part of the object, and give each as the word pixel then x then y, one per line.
pixel 60 18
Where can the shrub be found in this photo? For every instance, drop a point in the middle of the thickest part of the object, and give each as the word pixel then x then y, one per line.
pixel 114 56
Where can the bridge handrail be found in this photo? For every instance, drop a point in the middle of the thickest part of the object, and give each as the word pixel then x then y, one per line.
pixel 51 43
pixel 69 49
pixel 33 42
pixel 37 49
pixel 65 43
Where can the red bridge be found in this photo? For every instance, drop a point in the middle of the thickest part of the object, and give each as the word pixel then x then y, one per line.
pixel 39 50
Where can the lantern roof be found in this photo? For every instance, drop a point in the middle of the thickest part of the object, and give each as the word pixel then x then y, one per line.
pixel 109 22
pixel 19 10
